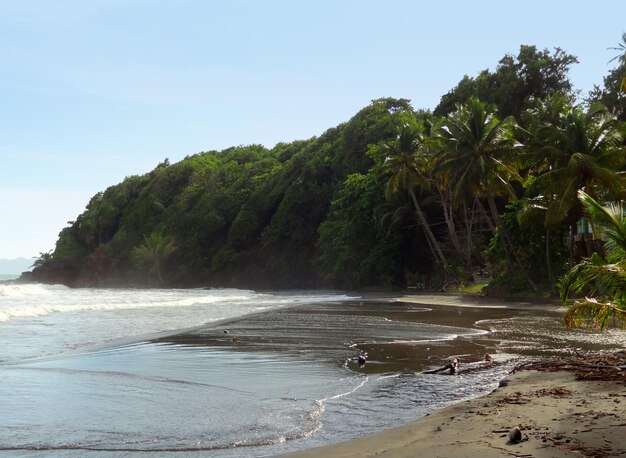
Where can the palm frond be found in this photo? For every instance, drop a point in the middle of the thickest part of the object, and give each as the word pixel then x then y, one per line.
pixel 610 220
pixel 595 314
pixel 594 276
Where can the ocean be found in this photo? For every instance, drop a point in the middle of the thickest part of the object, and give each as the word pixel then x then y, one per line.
pixel 229 373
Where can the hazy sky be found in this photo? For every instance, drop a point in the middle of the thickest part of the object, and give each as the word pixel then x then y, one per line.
pixel 93 91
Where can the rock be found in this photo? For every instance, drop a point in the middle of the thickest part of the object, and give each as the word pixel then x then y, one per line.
pixel 515 435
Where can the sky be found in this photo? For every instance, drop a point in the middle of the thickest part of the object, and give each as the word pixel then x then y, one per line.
pixel 94 91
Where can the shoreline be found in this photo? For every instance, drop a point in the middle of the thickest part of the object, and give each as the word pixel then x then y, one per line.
pixel 558 416
pixel 464 301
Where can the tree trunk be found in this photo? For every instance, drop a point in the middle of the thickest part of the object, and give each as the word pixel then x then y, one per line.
pixel 469 226
pixel 430 236
pixel 507 243
pixel 551 281
pixel 448 214
pixel 483 212
pixel 572 233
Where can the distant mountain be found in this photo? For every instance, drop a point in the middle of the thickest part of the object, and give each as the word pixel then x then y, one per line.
pixel 15 266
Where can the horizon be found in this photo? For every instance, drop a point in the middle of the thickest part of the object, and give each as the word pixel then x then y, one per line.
pixel 14 267
pixel 98 91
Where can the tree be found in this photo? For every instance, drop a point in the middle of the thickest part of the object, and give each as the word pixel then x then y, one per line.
pixel 621 58
pixel 542 156
pixel 354 249
pixel 517 81
pixel 602 277
pixel 42 260
pixel 406 166
pixel 612 95
pixel 529 211
pixel 478 159
pixel 154 252
pixel 580 150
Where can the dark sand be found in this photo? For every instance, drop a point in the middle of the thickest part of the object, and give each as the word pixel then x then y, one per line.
pixel 557 416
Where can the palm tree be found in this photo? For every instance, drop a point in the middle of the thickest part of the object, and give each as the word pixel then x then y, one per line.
pixel 477 158
pixel 42 260
pixel 477 153
pixel 581 150
pixel 407 167
pixel 530 211
pixel 154 252
pixel 621 58
pixel 603 277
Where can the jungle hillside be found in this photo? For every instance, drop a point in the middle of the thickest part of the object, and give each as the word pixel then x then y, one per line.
pixel 482 188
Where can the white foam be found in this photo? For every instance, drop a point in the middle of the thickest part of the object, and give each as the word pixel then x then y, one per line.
pixel 33 300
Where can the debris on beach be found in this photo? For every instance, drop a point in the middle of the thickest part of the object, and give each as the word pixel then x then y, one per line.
pixel 452 367
pixel 597 366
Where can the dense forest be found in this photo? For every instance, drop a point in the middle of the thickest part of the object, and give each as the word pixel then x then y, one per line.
pixel 485 186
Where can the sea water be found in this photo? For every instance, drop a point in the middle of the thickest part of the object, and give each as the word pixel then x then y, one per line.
pixel 42 320
pixel 103 372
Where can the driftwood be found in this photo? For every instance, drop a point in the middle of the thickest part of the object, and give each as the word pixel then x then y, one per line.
pixel 453 366
pixel 598 366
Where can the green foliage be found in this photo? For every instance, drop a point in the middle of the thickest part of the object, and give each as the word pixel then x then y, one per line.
pixel 532 74
pixel 407 163
pixel 390 196
pixel 478 151
pixel 372 124
pixel 356 250
pixel 601 276
pixel 594 314
pixel 621 58
pixel 245 215
pixel 578 150
pixel 613 94
pixel 42 259
pixel 524 225
pixel 153 253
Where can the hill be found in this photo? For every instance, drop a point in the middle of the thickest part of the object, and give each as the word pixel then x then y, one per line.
pixel 246 216
pixel 483 187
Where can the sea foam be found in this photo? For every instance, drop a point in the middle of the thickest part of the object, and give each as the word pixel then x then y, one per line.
pixel 32 300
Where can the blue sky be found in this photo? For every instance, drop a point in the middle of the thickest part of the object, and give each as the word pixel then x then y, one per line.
pixel 94 91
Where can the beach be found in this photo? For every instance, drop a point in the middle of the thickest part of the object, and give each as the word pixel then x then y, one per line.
pixel 558 413
pixel 233 373
pixel 558 416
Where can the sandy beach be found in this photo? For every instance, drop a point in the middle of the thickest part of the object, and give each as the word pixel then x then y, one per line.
pixel 291 380
pixel 557 416
pixel 559 412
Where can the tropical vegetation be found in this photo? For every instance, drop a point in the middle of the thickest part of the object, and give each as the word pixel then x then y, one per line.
pixel 486 186
pixel 601 275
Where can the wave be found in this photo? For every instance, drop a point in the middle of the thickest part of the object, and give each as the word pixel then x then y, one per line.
pixel 33 300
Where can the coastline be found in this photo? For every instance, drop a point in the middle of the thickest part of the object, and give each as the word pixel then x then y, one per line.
pixel 297 348
pixel 458 300
pixel 557 413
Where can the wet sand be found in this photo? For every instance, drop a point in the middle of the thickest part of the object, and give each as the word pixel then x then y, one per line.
pixel 557 415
